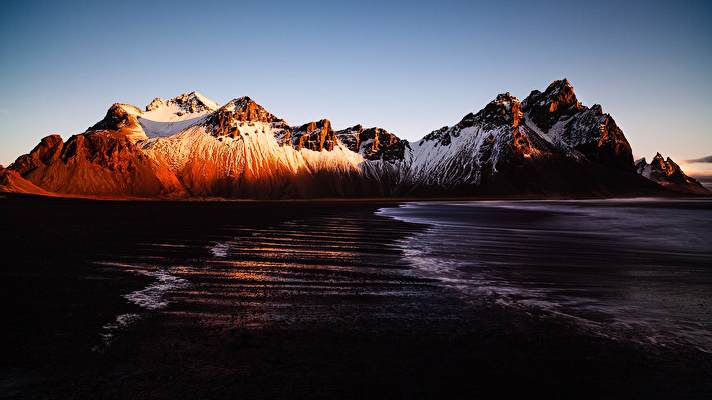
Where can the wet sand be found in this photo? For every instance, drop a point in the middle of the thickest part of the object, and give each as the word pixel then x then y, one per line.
pixel 630 269
pixel 274 300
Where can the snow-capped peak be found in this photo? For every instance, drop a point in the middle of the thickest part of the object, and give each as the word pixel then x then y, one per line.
pixel 190 103
pixel 167 117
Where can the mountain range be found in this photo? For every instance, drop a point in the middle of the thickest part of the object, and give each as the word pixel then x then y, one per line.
pixel 549 144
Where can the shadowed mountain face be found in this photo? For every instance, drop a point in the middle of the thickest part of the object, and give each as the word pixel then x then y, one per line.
pixel 572 126
pixel 188 146
pixel 374 143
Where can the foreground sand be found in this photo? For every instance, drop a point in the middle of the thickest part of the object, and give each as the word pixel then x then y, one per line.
pixel 313 300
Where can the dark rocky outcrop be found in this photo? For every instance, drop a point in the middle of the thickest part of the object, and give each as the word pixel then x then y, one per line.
pixel 316 136
pixel 117 118
pixel 557 102
pixel 374 143
pixel 226 120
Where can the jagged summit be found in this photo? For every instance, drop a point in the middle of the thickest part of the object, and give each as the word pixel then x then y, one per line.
pixel 665 172
pixel 505 99
pixel 665 166
pixel 190 103
pixel 558 117
pixel 559 91
pixel 560 87
pixel 118 116
pixel 659 159
pixel 503 110
pixel 556 102
pixel 239 102
pixel 245 109
pixel 242 112
pixel 123 120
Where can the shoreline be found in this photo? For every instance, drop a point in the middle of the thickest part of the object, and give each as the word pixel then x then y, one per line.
pixel 309 300
pixel 524 197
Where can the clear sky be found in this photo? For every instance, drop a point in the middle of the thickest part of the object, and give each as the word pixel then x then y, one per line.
pixel 407 66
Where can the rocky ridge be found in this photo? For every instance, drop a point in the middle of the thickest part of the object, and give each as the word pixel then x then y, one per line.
pixel 188 146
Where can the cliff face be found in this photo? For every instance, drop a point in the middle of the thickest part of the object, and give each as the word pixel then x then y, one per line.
pixel 45 153
pixel 315 136
pixel 189 146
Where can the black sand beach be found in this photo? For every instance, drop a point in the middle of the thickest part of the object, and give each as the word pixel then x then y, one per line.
pixel 185 300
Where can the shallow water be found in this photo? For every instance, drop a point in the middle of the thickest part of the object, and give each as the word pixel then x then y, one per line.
pixel 636 270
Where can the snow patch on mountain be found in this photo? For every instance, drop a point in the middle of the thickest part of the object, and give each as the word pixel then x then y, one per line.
pixel 167 128
pixel 251 155
pixel 473 148
pixel 458 161
pixel 167 117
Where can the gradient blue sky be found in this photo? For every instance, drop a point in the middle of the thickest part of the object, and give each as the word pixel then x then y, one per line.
pixel 407 66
